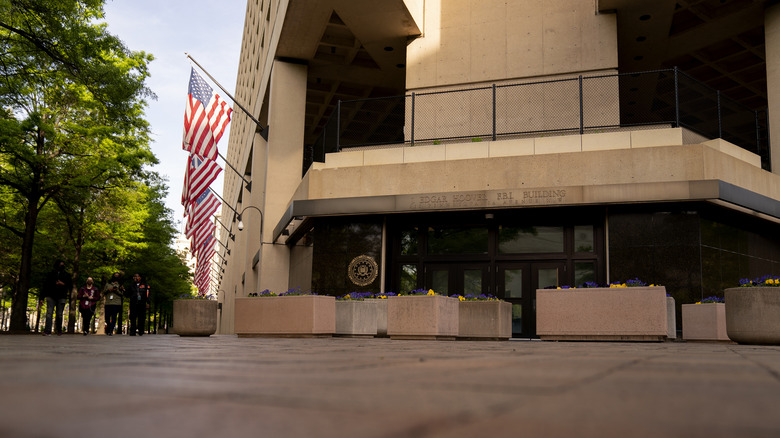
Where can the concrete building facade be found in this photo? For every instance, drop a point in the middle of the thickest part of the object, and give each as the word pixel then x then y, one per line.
pixel 503 146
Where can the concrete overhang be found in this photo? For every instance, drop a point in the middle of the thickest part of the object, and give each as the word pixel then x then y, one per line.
pixel 714 191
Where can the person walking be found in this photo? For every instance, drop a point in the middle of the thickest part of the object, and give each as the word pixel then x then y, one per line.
pixel 113 292
pixel 88 297
pixel 138 293
pixel 55 291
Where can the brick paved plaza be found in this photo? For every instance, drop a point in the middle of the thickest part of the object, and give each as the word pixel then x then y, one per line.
pixel 222 386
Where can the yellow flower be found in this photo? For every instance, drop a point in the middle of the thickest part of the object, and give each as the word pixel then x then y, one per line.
pixel 431 292
pixel 461 298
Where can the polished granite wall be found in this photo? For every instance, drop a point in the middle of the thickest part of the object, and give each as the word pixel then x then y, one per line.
pixel 337 241
pixel 695 250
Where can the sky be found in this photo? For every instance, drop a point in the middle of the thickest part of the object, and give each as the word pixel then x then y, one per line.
pixel 210 31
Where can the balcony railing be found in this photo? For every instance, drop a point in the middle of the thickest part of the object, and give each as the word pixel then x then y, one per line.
pixel 584 104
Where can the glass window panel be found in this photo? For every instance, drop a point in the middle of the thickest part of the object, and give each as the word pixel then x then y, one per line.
pixel 409 242
pixel 408 278
pixel 548 277
pixel 457 240
pixel 517 318
pixel 583 238
pixel 583 272
pixel 440 282
pixel 513 283
pixel 517 240
pixel 472 281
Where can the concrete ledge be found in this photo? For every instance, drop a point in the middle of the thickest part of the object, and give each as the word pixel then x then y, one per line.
pixel 557 144
pixel 420 154
pixel 511 147
pixel 465 151
pixel 656 137
pixel 344 159
pixel 606 141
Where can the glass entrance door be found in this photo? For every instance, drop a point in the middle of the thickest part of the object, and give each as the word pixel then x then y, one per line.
pixel 517 283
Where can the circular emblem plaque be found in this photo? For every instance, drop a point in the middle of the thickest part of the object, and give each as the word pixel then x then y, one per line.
pixel 363 270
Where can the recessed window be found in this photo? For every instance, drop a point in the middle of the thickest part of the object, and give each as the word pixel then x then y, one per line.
pixel 409 242
pixel 525 240
pixel 583 238
pixel 457 240
pixel 408 278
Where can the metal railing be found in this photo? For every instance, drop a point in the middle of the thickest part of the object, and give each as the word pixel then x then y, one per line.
pixel 583 104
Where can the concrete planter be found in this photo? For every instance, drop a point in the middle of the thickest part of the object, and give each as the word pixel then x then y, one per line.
pixel 381 316
pixel 753 315
pixel 356 318
pixel 195 317
pixel 602 314
pixel 704 322
pixel 484 320
pixel 287 316
pixel 422 317
pixel 671 318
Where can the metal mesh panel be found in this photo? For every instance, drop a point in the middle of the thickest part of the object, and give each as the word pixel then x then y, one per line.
pixel 372 121
pixel 738 125
pixel 538 107
pixel 698 107
pixel 664 97
pixel 452 114
pixel 647 98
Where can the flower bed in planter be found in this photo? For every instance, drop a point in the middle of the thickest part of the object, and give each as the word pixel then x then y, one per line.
pixel 705 321
pixel 285 316
pixel 422 317
pixel 356 316
pixel 487 319
pixel 753 312
pixel 602 314
pixel 195 317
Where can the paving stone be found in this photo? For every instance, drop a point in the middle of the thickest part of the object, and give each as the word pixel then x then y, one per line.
pixel 164 385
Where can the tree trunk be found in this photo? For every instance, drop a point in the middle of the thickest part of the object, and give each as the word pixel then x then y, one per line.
pixel 38 316
pixel 19 302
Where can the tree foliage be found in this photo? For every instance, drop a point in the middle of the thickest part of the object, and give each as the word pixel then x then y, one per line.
pixel 73 146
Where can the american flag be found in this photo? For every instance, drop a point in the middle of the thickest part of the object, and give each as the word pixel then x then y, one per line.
pixel 199 212
pixel 206 250
pixel 202 235
pixel 205 118
pixel 200 173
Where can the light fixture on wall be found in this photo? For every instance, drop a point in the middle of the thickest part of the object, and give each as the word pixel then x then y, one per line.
pixel 241 224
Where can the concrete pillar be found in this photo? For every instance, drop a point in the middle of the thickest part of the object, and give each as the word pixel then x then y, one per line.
pixel 284 163
pixel 772 40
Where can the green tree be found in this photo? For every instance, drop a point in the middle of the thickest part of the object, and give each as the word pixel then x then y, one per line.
pixel 74 98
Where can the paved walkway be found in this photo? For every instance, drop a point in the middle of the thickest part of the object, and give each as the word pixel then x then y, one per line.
pixel 222 386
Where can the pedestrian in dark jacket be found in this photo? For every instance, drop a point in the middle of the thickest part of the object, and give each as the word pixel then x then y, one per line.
pixel 113 292
pixel 88 297
pixel 55 292
pixel 138 294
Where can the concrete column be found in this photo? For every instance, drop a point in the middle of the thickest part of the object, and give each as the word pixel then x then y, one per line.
pixel 772 40
pixel 283 167
pixel 251 217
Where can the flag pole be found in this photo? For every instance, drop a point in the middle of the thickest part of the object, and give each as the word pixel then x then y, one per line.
pixel 248 183
pixel 223 201
pixel 263 131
